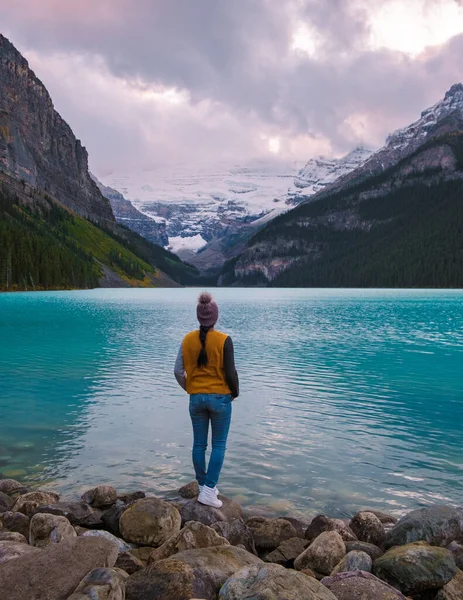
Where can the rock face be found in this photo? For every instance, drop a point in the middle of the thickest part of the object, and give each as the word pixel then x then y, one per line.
pixel 357 585
pixel 416 567
pixel 194 511
pixel 191 574
pixel 55 572
pixel 437 525
pixel 323 554
pixel 368 528
pixel 270 533
pixel 272 582
pixel 193 535
pixel 354 561
pixel 27 503
pixel 49 529
pixel 237 533
pixel 101 584
pixel 101 496
pixel 38 146
pixel 150 522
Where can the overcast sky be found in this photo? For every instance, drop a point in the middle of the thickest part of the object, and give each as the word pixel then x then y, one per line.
pixel 149 81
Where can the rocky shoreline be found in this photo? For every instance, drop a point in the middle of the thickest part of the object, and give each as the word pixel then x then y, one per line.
pixel 110 546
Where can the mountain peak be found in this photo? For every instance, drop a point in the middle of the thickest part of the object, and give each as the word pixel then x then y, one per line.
pixel 455 91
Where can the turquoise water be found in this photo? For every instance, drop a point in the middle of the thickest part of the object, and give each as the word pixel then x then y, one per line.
pixel 350 399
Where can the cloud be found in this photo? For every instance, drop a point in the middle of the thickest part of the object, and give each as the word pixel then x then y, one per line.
pixel 174 79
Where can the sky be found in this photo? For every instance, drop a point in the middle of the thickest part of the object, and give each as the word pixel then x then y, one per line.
pixel 148 82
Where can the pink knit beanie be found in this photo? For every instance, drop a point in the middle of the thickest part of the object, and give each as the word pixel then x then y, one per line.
pixel 207 310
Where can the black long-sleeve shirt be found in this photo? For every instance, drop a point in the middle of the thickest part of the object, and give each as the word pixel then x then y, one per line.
pixel 231 375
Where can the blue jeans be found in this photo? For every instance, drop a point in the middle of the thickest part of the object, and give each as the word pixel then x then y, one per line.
pixel 217 409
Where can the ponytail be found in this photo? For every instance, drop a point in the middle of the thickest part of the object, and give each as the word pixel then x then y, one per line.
pixel 202 356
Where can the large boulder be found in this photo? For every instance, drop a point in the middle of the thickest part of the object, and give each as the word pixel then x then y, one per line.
pixel 193 535
pixel 194 511
pixel 150 522
pixel 10 550
pixel 237 533
pixel 272 582
pixel 78 513
pixel 195 573
pixel 437 525
pixel 27 503
pixel 457 550
pixel 354 561
pixel 287 552
pixel 416 567
pixel 55 572
pixel 49 529
pixel 13 521
pixel 104 583
pixel 190 490
pixel 373 551
pixel 323 554
pixel 101 496
pixel 453 590
pixel 269 533
pixel 322 523
pixel 11 487
pixel 357 585
pixel 6 502
pixel 121 545
pixel 368 528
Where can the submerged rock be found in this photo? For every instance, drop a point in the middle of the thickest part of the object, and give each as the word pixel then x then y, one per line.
pixel 150 522
pixel 416 567
pixel 272 582
pixel 101 496
pixel 323 554
pixel 368 528
pixel 48 529
pixel 101 584
pixel 437 525
pixel 270 533
pixel 358 585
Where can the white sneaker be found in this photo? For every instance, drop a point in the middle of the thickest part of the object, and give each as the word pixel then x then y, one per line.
pixel 208 497
pixel 216 489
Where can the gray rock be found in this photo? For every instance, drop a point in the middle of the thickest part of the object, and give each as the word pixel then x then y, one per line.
pixel 437 525
pixel 272 582
pixel 55 572
pixel 103 583
pixel 323 523
pixel 10 550
pixel 101 496
pixel 457 550
pixel 368 528
pixel 453 590
pixel 13 521
pixel 299 526
pixel 416 567
pixel 150 522
pixel 11 487
pixel 269 533
pixel 6 502
pixel 373 551
pixel 111 517
pixel 49 529
pixel 129 563
pixel 355 560
pixel 237 533
pixel 191 490
pixel 192 535
pixel 121 545
pixel 131 497
pixel 357 585
pixel 12 536
pixel 27 503
pixel 194 511
pixel 385 518
pixel 287 552
pixel 323 554
pixel 77 513
pixel 191 574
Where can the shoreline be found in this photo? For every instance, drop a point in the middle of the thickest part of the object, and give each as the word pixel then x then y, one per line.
pixel 143 546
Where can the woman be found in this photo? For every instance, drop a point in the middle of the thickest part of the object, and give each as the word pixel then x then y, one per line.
pixel 205 368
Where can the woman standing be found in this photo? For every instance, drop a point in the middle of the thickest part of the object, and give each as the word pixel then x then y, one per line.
pixel 205 369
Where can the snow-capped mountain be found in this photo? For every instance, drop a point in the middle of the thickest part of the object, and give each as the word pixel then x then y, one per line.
pixel 202 203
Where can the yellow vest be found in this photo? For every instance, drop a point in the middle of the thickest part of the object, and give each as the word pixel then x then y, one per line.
pixel 211 378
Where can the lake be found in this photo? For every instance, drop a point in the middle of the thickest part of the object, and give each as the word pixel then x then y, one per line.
pixel 349 398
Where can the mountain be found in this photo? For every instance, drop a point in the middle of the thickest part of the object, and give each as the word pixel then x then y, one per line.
pixel 211 210
pixel 396 221
pixel 57 230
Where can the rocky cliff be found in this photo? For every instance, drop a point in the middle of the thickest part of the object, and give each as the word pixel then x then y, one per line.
pixel 38 146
